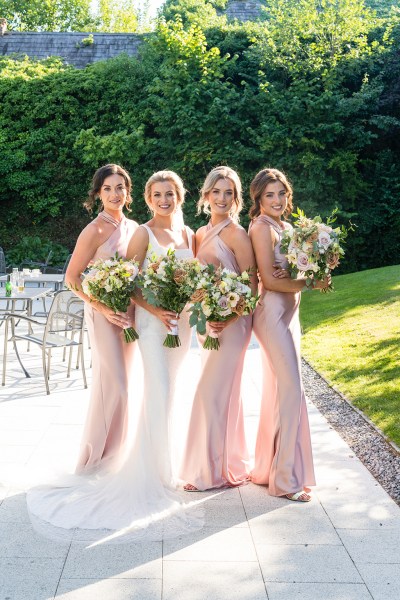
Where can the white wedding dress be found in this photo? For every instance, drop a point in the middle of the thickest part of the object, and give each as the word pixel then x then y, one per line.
pixel 138 499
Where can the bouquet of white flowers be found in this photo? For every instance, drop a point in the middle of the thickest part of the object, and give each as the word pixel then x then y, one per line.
pixel 220 295
pixel 313 248
pixel 112 282
pixel 169 282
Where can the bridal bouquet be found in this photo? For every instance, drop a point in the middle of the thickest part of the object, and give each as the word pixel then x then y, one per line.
pixel 220 295
pixel 169 282
pixel 313 248
pixel 112 282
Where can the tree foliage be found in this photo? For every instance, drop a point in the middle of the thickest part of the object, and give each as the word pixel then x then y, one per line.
pixel 315 94
pixel 117 16
pixel 47 15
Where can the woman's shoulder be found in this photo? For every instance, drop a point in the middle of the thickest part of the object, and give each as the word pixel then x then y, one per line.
pixel 142 231
pixel 201 229
pixel 132 224
pixel 200 232
pixel 94 229
pixel 260 227
pixel 234 231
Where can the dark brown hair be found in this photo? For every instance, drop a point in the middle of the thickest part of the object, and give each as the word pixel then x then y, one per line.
pixel 257 188
pixel 98 180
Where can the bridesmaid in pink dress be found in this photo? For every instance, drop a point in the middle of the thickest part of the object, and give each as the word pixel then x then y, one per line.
pixel 110 232
pixel 283 455
pixel 216 452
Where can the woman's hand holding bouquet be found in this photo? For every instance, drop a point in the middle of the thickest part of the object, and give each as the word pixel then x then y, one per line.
pixel 313 248
pixel 220 296
pixel 112 282
pixel 169 282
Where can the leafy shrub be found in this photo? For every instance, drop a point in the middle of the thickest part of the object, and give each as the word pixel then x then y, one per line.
pixel 33 248
pixel 313 93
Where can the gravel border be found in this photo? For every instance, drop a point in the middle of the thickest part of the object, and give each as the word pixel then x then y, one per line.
pixel 379 455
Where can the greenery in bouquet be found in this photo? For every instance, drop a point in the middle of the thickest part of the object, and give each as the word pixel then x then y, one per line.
pixel 113 282
pixel 220 295
pixel 169 282
pixel 313 248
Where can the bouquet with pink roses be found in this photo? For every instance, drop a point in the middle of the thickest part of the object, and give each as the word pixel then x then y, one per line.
pixel 313 248
pixel 220 295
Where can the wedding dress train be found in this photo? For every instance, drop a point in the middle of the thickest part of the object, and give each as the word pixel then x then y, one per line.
pixel 137 499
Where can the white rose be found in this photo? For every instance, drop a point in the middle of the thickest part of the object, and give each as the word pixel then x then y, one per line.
pixel 306 246
pixel 206 309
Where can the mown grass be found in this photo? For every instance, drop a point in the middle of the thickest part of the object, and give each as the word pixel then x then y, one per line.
pixel 352 337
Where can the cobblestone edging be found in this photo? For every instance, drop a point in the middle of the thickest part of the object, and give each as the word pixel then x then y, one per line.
pixel 380 456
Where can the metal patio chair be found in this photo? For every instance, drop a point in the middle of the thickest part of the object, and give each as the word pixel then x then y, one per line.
pixel 3 263
pixel 63 328
pixel 31 264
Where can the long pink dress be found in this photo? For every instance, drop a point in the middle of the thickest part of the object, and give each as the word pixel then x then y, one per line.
pixel 216 452
pixel 107 418
pixel 134 498
pixel 283 455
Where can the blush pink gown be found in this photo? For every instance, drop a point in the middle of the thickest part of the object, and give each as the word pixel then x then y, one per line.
pixel 216 452
pixel 283 455
pixel 134 498
pixel 107 418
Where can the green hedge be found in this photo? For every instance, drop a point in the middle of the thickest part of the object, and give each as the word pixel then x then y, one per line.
pixel 281 93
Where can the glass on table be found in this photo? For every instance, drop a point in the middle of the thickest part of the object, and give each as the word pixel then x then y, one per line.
pixel 21 282
pixel 14 277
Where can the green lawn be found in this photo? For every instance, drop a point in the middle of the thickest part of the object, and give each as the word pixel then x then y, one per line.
pixel 352 337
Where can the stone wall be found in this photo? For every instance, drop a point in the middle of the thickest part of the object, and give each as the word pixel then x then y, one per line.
pixel 69 45
pixel 244 10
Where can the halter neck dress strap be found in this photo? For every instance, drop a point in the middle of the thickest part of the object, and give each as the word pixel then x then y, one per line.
pixel 109 219
pixel 269 221
pixel 214 230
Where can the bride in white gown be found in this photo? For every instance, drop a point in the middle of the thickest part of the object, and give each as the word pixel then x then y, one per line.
pixel 138 499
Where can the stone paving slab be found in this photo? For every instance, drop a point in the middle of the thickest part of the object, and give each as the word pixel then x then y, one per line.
pixel 123 561
pixel 321 591
pixel 109 589
pixel 344 545
pixel 217 580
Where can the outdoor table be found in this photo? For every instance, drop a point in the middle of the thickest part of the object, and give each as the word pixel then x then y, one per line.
pixel 27 296
pixel 54 279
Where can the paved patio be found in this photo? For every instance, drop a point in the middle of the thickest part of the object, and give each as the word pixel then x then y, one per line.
pixel 344 545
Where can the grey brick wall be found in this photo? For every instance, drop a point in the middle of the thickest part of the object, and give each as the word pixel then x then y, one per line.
pixel 244 10
pixel 68 45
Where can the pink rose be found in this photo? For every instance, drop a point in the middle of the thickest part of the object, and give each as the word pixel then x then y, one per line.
pixel 302 262
pixel 324 239
pixel 223 302
pixel 332 260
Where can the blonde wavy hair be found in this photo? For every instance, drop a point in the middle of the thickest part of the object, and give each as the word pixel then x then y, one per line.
pixel 210 182
pixel 161 176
